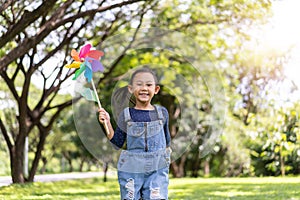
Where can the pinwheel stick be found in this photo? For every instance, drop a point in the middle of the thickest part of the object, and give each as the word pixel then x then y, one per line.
pixel 99 104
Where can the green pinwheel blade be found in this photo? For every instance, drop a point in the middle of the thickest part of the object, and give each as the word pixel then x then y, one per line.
pixel 79 71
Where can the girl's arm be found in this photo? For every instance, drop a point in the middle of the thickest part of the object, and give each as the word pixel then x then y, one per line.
pixel 166 127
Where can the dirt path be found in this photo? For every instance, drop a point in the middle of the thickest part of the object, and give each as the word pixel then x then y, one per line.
pixel 6 180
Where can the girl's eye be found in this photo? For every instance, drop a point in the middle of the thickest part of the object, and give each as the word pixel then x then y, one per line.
pixel 149 85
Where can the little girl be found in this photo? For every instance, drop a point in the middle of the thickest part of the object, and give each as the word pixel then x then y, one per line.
pixel 143 167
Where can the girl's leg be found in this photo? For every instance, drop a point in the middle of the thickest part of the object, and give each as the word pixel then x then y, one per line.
pixel 130 185
pixel 156 185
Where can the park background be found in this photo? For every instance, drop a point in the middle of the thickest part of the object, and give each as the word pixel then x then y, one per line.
pixel 253 46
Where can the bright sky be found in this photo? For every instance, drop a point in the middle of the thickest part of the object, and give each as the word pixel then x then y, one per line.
pixel 285 34
pixel 277 37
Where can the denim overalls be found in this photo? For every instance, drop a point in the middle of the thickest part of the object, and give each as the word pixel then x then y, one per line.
pixel 144 167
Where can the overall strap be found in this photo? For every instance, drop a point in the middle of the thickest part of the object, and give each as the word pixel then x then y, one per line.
pixel 127 115
pixel 159 112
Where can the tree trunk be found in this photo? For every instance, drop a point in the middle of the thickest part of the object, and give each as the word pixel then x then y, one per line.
pixel 82 161
pixel 17 160
pixel 282 166
pixel 16 154
pixel 70 164
pixel 105 169
pixel 38 155
pixel 45 161
pixel 206 167
pixel 178 169
pixel 196 166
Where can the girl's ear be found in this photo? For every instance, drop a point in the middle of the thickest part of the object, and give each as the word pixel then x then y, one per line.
pixel 157 88
pixel 130 89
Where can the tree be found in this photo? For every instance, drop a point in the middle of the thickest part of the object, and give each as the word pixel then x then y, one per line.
pixel 64 144
pixel 275 141
pixel 36 39
pixel 256 90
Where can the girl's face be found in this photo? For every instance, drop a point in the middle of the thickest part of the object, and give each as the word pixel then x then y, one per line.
pixel 143 87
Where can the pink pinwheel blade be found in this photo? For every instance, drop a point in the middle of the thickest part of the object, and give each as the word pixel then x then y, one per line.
pixel 84 50
pixel 95 54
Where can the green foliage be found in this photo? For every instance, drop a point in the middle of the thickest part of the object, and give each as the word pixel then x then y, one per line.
pixel 186 188
pixel 230 156
pixel 221 29
pixel 276 146
pixel 65 150
pixel 4 158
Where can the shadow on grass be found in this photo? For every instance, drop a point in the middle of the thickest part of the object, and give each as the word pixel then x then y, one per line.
pixel 67 190
pixel 180 189
pixel 222 189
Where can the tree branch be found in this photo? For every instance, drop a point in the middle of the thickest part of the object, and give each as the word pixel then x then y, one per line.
pixel 10 85
pixel 48 92
pixel 28 43
pixel 6 136
pixel 27 18
pixel 60 108
pixel 5 5
pixel 113 66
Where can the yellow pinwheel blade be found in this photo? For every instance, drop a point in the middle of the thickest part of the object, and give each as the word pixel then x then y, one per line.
pixel 74 64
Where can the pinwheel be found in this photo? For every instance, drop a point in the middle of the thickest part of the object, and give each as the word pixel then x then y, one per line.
pixel 87 61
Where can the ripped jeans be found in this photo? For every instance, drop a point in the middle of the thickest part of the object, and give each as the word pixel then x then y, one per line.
pixel 146 186
pixel 144 175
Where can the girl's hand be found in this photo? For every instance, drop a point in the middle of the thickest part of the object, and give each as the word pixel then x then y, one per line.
pixel 103 116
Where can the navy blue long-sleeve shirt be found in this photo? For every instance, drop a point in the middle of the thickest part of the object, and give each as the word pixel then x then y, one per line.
pixel 120 134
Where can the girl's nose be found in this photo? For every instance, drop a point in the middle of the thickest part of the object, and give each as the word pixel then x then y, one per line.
pixel 144 87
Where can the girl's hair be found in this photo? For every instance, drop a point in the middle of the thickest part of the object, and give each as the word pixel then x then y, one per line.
pixel 121 98
pixel 144 70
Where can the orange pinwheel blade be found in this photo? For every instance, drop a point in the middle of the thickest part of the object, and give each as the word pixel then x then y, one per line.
pixel 95 54
pixel 75 55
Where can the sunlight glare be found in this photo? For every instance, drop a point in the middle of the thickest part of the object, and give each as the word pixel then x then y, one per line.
pixel 285 33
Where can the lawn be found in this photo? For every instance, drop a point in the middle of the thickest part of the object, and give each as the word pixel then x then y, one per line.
pixel 187 188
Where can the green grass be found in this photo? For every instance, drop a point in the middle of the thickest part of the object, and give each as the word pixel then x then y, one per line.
pixel 187 188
